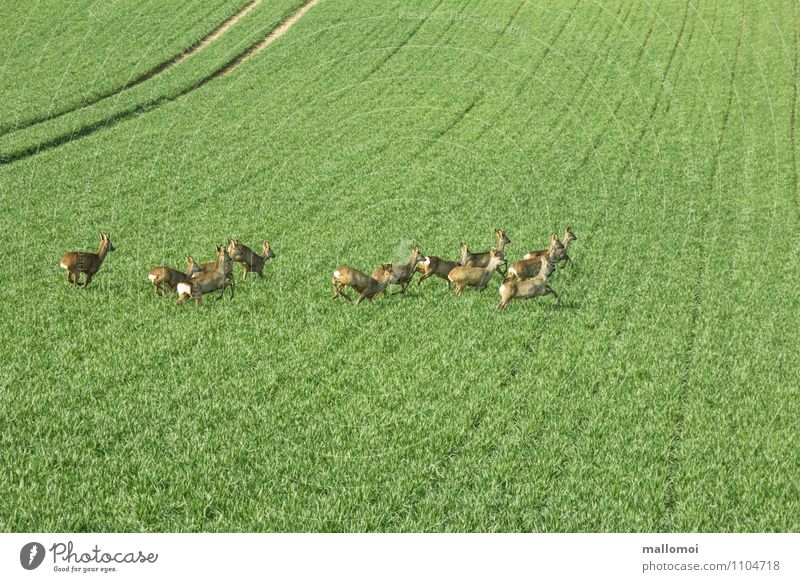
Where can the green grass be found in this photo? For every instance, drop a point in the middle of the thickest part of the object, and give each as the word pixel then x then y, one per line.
pixel 661 395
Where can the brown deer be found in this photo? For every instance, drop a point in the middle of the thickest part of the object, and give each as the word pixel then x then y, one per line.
pixel 367 287
pixel 434 266
pixel 403 273
pixel 212 265
pixel 76 263
pixel 171 277
pixel 251 262
pixel 560 253
pixel 207 281
pixel 482 259
pixel 477 277
pixel 513 288
pixel 528 268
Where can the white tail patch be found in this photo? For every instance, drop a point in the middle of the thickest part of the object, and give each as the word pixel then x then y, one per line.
pixel 502 288
pixel 184 288
pixel 151 277
pixel 427 261
pixel 512 271
pixel 528 256
pixel 337 274
pixel 63 265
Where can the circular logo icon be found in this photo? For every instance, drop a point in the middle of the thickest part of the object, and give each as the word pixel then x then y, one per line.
pixel 31 555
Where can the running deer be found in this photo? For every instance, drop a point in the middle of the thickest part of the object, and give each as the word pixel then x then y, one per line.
pixel 76 263
pixel 477 277
pixel 529 267
pixel 171 277
pixel 251 262
pixel 482 259
pixel 403 273
pixel 560 254
pixel 434 266
pixel 524 289
pixel 207 281
pixel 367 287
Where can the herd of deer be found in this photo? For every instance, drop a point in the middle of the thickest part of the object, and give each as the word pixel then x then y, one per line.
pixel 524 279
pixel 198 280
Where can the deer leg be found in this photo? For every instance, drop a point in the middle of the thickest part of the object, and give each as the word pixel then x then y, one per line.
pixel 246 271
pixel 550 290
pixel 345 295
pixel 422 278
pixel 459 289
pixel 88 279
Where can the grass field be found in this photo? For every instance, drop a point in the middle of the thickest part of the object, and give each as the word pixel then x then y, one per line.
pixel 660 395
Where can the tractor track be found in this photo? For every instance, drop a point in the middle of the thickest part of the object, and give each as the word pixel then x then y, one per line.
pixel 147 75
pixel 135 111
pixel 673 456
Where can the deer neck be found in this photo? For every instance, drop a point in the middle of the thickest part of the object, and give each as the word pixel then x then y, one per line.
pixel 411 261
pixel 501 244
pixel 102 251
pixel 565 242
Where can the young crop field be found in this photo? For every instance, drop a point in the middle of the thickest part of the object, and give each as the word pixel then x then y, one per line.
pixel 659 394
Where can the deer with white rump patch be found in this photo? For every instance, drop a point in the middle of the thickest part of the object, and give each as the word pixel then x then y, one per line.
pixel 513 288
pixel 560 251
pixel 367 287
pixel 76 263
pixel 477 277
pixel 434 266
pixel 529 267
pixel 207 281
pixel 251 262
pixel 159 276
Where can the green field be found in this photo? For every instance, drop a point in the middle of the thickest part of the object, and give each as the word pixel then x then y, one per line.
pixel 661 394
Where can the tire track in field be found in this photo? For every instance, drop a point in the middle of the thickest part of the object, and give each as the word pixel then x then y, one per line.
pixel 529 345
pixel 626 314
pixel 147 75
pixel 396 49
pixel 673 456
pixel 479 97
pixel 135 111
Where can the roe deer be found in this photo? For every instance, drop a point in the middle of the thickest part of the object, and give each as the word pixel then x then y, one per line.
pixel 403 273
pixel 560 253
pixel 367 287
pixel 171 277
pixel 476 276
pixel 76 263
pixel 212 265
pixel 529 267
pixel 431 266
pixel 482 259
pixel 248 258
pixel 524 289
pixel 207 281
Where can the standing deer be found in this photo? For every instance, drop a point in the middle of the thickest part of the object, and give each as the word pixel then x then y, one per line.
pixel 403 273
pixel 76 263
pixel 524 289
pixel 207 281
pixel 560 253
pixel 212 265
pixel 171 277
pixel 431 266
pixel 367 287
pixel 529 267
pixel 477 277
pixel 251 262
pixel 482 259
